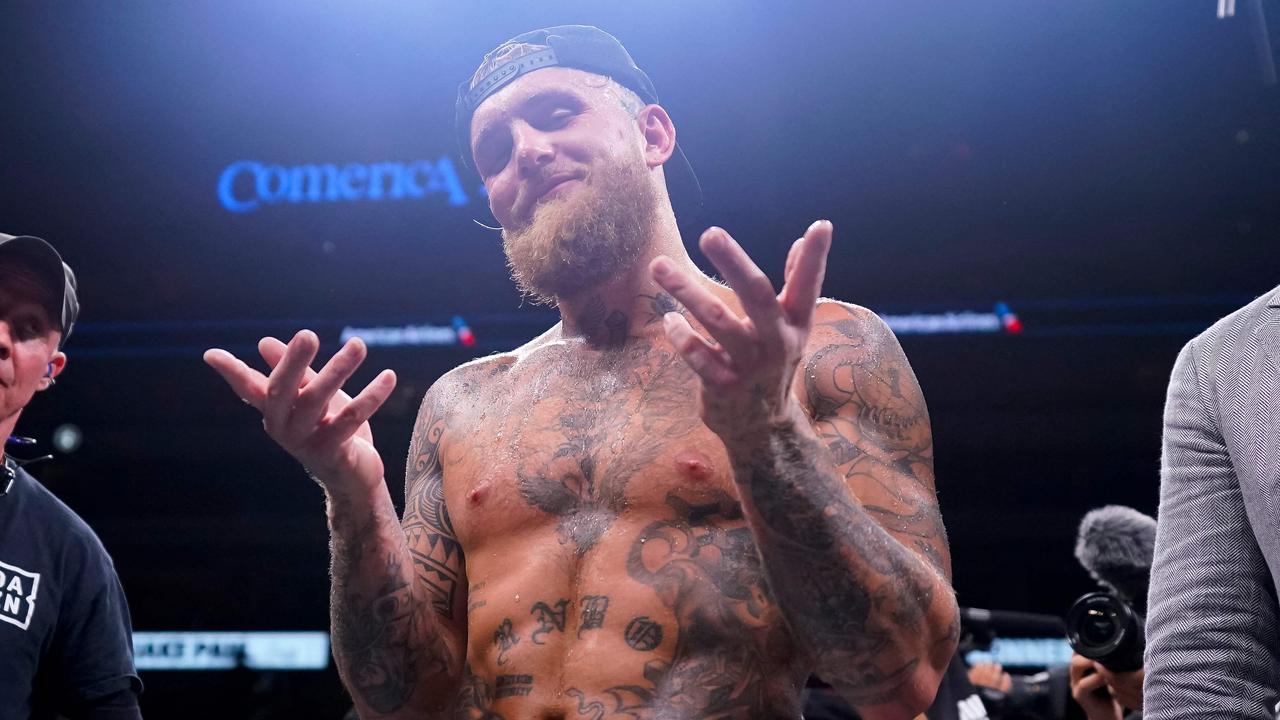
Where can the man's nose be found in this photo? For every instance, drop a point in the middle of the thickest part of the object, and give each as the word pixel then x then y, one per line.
pixel 533 149
pixel 6 340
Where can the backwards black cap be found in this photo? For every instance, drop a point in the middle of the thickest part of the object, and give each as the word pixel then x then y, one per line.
pixel 51 272
pixel 582 47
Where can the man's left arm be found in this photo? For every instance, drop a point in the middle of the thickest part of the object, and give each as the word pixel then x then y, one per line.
pixel 840 498
pixel 842 503
pixel 92 652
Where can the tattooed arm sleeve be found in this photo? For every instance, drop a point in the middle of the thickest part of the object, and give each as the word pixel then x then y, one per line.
pixel 399 633
pixel 844 511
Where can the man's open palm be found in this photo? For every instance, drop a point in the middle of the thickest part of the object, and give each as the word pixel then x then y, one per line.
pixel 307 413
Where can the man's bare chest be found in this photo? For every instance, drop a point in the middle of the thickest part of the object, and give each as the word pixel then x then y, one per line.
pixel 573 444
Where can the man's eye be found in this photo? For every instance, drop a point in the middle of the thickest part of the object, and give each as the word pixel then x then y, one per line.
pixel 559 116
pixel 492 166
pixel 493 158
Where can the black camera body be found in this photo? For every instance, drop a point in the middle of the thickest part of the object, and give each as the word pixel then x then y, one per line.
pixel 1102 626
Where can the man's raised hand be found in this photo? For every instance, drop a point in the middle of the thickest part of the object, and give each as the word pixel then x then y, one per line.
pixel 747 367
pixel 307 413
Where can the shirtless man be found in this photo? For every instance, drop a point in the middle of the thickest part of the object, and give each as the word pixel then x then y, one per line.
pixel 676 503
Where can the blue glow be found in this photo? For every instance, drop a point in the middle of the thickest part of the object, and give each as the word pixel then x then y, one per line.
pixel 247 185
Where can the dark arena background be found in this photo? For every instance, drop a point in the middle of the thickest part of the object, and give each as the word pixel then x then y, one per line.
pixel 1046 200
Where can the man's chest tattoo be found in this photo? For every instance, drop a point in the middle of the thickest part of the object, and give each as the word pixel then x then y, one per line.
pixel 593 427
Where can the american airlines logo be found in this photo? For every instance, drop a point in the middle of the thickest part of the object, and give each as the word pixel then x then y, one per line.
pixel 249 185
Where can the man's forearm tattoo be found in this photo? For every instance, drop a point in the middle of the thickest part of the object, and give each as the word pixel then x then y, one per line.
pixel 846 587
pixel 389 576
pixel 375 632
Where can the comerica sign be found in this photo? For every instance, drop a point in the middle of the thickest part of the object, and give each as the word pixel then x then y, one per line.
pixel 247 185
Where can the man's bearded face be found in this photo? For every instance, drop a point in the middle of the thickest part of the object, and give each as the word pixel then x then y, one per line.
pixel 583 237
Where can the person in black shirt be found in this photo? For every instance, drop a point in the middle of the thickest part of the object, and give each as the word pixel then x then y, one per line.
pixel 66 645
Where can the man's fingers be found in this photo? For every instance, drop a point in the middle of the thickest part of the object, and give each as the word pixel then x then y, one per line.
pixel 271 350
pixel 314 398
pixel 807 273
pixel 759 299
pixel 708 361
pixel 725 326
pixel 1089 684
pixel 344 424
pixel 282 384
pixel 248 384
pixel 1079 667
pixel 791 262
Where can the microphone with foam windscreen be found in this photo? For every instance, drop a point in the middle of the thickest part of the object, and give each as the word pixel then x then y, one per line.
pixel 1115 545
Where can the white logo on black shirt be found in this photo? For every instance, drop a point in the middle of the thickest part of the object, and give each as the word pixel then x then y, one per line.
pixel 17 595
pixel 971 708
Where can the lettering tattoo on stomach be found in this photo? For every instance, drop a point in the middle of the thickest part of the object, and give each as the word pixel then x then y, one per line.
pixel 729 653
pixel 703 566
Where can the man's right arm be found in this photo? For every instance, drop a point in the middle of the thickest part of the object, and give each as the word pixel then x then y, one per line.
pixel 398 637
pixel 1211 625
pixel 398 593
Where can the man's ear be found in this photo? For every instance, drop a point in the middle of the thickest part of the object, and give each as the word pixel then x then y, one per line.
pixel 659 134
pixel 57 364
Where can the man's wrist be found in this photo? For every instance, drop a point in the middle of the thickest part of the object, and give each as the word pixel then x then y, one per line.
pixel 748 433
pixel 360 501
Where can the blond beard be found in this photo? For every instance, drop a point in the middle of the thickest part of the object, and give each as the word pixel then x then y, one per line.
pixel 578 242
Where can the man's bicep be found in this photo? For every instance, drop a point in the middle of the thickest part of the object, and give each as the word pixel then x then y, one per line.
pixel 868 409
pixel 438 561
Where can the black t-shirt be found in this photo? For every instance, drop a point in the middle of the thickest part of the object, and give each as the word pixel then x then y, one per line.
pixel 65 636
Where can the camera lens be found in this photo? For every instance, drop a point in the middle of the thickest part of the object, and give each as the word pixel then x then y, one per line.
pixel 1099 625
pixel 1103 628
